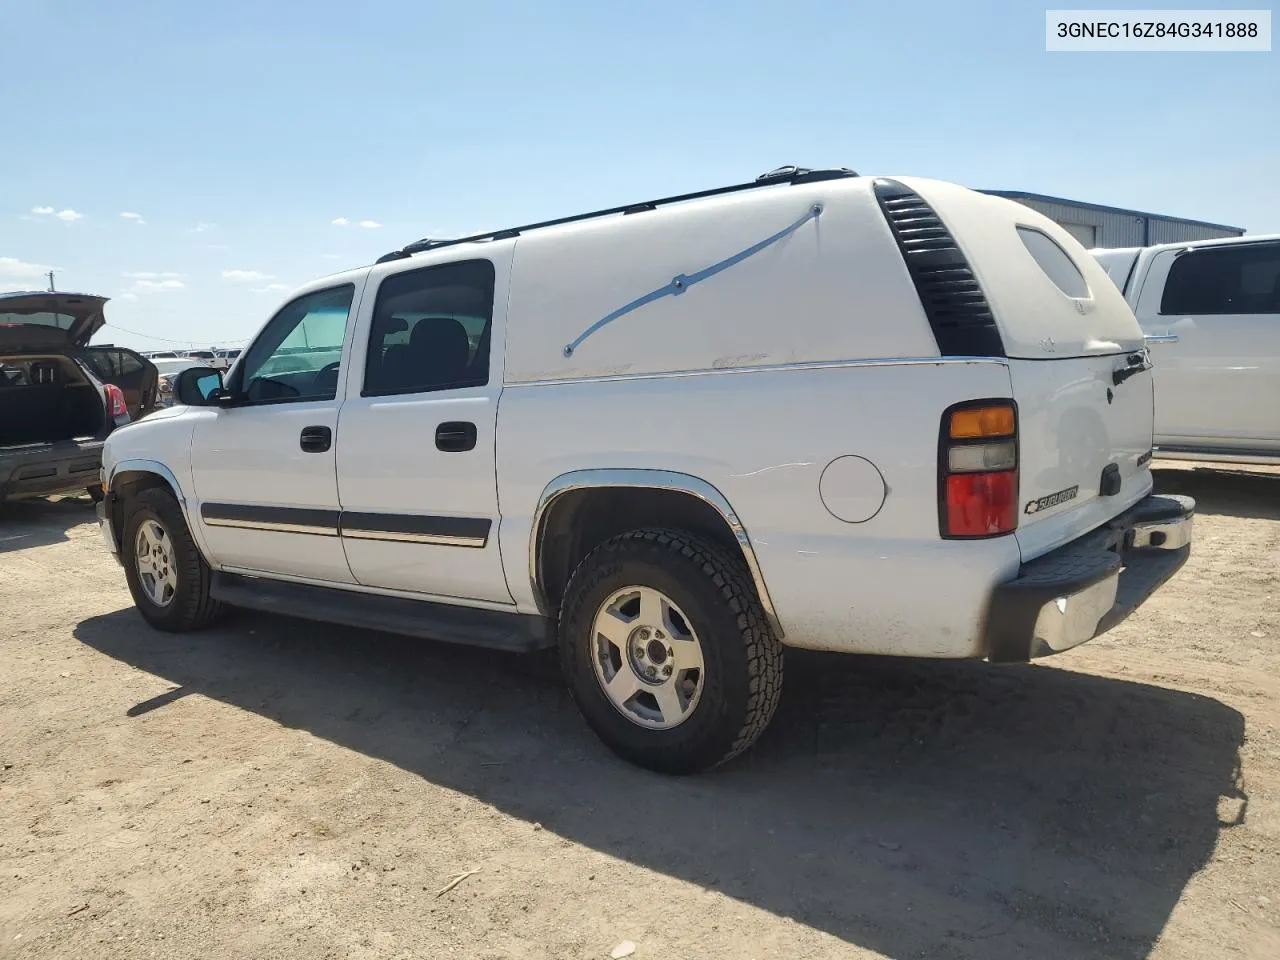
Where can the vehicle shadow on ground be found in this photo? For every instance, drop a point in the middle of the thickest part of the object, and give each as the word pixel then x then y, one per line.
pixel 38 523
pixel 1224 490
pixel 912 808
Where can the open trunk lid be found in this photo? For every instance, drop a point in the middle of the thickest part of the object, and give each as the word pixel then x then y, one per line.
pixel 1078 368
pixel 42 321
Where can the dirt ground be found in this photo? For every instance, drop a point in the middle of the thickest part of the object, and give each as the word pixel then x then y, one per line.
pixel 275 788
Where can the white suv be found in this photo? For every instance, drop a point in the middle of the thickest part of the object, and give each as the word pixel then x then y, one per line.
pixel 818 410
pixel 1211 311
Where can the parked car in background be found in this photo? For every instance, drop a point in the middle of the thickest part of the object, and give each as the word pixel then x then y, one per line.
pixel 1210 310
pixel 878 416
pixel 59 397
pixel 225 358
pixel 168 370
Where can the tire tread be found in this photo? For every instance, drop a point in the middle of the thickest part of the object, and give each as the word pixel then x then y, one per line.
pixel 194 607
pixel 729 576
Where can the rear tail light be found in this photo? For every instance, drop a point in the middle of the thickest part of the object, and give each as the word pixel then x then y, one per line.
pixel 116 407
pixel 978 466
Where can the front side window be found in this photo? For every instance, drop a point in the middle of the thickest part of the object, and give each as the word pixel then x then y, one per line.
pixel 1217 280
pixel 299 353
pixel 430 330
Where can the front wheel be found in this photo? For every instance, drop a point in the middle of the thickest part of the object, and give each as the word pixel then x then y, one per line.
pixel 167 576
pixel 667 651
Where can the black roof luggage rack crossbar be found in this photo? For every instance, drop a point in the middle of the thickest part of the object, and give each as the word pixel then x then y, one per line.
pixel 788 175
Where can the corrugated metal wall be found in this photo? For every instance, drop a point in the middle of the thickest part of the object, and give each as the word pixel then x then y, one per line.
pixel 1175 231
pixel 1114 229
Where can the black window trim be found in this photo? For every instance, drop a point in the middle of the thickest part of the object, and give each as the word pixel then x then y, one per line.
pixel 421 391
pixel 235 384
pixel 1213 249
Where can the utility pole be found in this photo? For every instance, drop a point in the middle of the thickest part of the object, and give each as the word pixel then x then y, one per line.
pixel 50 276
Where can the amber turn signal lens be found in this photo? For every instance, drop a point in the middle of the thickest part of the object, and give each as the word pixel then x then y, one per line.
pixel 974 422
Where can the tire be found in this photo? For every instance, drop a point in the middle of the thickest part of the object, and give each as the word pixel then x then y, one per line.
pixel 711 598
pixel 189 605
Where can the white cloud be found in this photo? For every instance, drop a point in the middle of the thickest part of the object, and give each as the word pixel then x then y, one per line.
pixel 370 224
pixel 156 286
pixel 13 268
pixel 17 274
pixel 202 227
pixel 339 222
pixel 270 288
pixel 135 217
pixel 245 276
pixel 67 215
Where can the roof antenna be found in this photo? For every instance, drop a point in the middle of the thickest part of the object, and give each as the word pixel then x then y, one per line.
pixel 50 276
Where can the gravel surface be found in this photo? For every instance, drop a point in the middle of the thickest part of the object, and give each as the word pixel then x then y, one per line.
pixel 276 788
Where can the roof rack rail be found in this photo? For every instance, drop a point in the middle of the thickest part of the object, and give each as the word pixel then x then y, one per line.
pixel 781 175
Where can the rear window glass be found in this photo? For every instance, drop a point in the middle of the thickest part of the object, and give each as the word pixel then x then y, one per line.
pixel 1217 280
pixel 1055 262
pixel 62 321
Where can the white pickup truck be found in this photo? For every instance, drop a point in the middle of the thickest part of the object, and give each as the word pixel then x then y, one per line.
pixel 1211 311
pixel 868 415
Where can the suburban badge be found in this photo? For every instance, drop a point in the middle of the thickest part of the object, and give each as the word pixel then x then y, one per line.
pixel 1052 500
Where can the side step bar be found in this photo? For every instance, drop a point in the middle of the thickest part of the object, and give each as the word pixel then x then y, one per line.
pixel 514 632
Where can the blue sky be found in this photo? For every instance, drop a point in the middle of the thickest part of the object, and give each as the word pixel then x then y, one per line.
pixel 238 132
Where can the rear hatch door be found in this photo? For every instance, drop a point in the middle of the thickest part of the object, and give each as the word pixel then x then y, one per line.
pixel 43 321
pixel 1079 371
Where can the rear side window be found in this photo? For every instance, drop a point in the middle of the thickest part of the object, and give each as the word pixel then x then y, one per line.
pixel 112 362
pixel 1055 262
pixel 1218 280
pixel 431 330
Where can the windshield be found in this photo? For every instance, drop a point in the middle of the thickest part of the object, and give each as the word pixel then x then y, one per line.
pixel 60 321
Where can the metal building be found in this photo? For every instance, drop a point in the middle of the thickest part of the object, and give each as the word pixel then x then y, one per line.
pixel 1097 226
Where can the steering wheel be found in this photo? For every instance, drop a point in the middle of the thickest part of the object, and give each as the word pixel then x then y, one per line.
pixel 323 378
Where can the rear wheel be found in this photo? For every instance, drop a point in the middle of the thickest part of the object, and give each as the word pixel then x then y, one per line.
pixel 167 575
pixel 667 651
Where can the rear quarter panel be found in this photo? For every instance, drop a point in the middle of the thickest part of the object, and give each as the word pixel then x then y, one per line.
pixel 763 438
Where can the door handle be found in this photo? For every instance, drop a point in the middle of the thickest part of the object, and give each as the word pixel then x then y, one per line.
pixel 315 439
pixel 456 436
pixel 1160 337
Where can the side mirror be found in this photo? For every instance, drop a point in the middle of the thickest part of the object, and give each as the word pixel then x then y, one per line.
pixel 198 386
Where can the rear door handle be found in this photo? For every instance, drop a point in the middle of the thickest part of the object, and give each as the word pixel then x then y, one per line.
pixel 456 436
pixel 315 439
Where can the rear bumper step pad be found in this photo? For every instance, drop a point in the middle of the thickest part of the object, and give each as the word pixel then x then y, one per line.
pixel 1086 587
